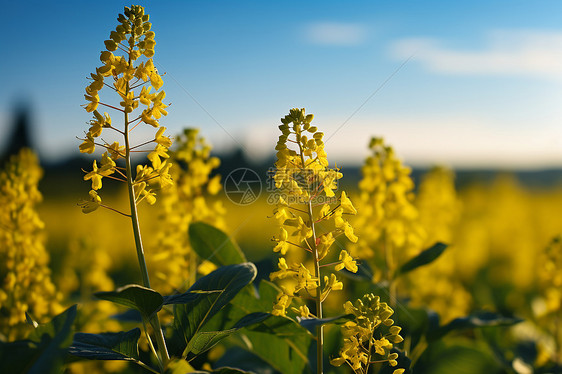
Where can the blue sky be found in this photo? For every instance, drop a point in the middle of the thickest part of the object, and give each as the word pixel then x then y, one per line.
pixel 463 83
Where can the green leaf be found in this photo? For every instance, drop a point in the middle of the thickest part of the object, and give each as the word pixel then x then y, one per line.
pixel 458 357
pixel 214 245
pixel 425 257
pixel 312 323
pixel 483 319
pixel 107 346
pixel 190 317
pixel 244 360
pixel 279 341
pixel 18 356
pixel 282 343
pixel 205 340
pixel 145 300
pixel 45 353
pixel 186 297
pixel 59 330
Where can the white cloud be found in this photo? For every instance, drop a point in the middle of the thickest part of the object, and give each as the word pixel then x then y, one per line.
pixel 335 33
pixel 508 52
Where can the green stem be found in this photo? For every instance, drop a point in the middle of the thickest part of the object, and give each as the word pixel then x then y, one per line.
pixel 142 364
pixel 390 267
pixel 154 321
pixel 318 297
pixel 418 350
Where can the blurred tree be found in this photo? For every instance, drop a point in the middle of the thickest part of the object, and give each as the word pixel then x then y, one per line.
pixel 21 131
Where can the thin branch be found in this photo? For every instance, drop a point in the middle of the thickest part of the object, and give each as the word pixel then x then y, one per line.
pixel 140 145
pixel 114 178
pixel 138 123
pixel 120 172
pixel 112 107
pixel 115 210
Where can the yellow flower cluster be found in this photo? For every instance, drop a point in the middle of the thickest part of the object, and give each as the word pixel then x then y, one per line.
pixel 85 270
pixel 133 82
pixel 370 337
pixel 550 276
pixel 171 258
pixel 439 213
pixel 388 221
pixel 25 277
pixel 549 317
pixel 310 215
pixel 500 228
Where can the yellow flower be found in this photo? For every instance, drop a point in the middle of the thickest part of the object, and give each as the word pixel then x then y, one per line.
pixel 127 43
pixel 304 279
pixel 279 308
pixel 161 139
pixel 95 176
pixel 346 204
pixel 366 334
pixel 307 210
pixel 116 151
pixel 347 262
pixel 303 311
pixel 94 100
pixel 88 146
pixel 88 206
pixel 325 241
pixel 283 270
pixel 154 156
pixel 180 204
pixel 332 283
pixel 25 277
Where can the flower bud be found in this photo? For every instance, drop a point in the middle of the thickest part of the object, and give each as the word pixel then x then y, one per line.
pixel 105 56
pixel 116 37
pixel 110 45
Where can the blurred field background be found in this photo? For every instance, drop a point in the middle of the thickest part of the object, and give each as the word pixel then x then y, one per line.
pixel 495 200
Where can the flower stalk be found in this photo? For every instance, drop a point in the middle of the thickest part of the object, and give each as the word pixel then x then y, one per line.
pixel 132 37
pixel 306 197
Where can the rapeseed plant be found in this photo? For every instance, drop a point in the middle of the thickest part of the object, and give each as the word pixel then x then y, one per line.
pixel 370 337
pixel 310 217
pixel 85 270
pixel 25 277
pixel 132 82
pixel 439 213
pixel 388 221
pixel 170 256
pixel 549 315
